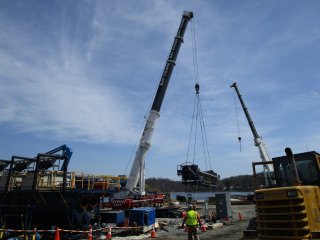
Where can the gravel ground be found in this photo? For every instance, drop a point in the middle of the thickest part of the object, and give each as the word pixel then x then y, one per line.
pixel 230 230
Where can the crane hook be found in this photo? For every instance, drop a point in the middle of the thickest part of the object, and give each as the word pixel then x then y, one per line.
pixel 197 87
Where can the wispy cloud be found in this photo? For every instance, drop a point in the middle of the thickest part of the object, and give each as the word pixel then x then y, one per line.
pixel 54 91
pixel 87 71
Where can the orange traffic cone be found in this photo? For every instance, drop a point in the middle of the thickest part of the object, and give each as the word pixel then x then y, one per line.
pixel 240 217
pixel 57 234
pixel 109 235
pixel 203 227
pixel 153 232
pixel 90 233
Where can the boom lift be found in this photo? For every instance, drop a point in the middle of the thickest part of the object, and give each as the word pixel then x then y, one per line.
pixel 136 177
pixel 264 155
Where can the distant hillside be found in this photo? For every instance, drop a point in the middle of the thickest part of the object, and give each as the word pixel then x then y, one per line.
pixel 236 183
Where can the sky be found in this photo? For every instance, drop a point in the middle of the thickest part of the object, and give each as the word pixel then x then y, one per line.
pixel 84 73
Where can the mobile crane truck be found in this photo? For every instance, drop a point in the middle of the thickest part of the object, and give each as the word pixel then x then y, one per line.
pixel 134 194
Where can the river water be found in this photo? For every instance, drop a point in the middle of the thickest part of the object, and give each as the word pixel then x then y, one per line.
pixel 206 195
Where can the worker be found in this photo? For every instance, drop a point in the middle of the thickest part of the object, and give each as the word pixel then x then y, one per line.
pixel 191 220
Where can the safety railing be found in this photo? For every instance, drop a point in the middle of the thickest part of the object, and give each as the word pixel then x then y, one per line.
pixel 85 234
pixel 55 180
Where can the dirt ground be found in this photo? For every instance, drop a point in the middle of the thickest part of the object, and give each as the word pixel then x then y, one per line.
pixel 230 230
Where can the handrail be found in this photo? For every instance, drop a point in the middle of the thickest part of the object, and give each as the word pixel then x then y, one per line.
pixel 54 180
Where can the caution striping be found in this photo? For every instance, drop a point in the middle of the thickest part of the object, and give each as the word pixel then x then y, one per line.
pixel 66 230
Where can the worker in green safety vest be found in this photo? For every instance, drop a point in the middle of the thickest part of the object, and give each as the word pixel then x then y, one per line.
pixel 191 220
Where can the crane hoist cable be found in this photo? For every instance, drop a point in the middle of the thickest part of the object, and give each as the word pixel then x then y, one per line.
pixel 198 123
pixel 197 105
pixel 189 171
pixel 235 102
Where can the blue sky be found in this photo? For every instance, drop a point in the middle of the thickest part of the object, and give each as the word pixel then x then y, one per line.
pixel 84 73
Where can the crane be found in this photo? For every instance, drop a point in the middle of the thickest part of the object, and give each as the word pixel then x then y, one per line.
pixel 137 170
pixel 264 154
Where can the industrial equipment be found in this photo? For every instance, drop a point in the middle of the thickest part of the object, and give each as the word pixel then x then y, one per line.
pixel 290 209
pixel 136 177
pixel 189 171
pixel 41 192
pixel 264 154
pixel 192 175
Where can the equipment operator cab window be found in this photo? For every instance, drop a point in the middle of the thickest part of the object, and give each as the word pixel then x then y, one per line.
pixel 307 170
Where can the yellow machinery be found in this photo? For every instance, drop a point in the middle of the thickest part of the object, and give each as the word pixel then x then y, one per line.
pixel 290 207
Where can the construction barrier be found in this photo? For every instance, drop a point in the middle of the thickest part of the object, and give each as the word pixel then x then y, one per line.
pixel 31 234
